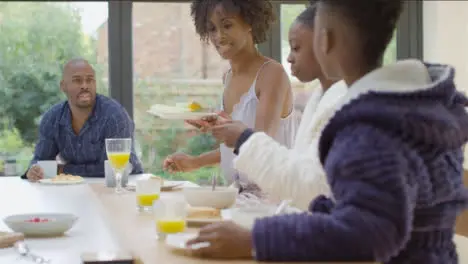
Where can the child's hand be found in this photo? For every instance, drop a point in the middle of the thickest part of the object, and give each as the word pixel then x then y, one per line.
pixel 207 122
pixel 228 131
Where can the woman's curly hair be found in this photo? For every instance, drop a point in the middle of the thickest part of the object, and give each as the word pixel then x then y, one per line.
pixel 256 13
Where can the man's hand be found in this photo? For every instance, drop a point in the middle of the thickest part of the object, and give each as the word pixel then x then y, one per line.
pixel 61 167
pixel 35 173
pixel 227 240
pixel 228 132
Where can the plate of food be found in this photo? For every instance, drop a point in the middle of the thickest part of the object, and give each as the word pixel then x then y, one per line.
pixel 63 179
pixel 168 185
pixel 172 185
pixel 182 111
pixel 200 216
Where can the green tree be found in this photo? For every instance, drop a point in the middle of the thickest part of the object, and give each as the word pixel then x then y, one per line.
pixel 37 38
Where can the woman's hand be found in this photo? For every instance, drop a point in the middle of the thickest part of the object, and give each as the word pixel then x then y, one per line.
pixel 200 124
pixel 207 122
pixel 180 162
pixel 229 132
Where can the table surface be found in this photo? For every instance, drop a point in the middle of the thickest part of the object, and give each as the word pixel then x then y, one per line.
pixel 90 232
pixel 106 222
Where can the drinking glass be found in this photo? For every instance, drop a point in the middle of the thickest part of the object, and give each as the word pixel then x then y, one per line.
pixel 169 215
pixel 147 191
pixel 118 152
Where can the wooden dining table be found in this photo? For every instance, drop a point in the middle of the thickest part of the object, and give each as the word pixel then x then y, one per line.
pixel 107 222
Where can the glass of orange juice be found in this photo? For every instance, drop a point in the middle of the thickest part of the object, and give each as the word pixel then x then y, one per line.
pixel 118 153
pixel 169 215
pixel 147 191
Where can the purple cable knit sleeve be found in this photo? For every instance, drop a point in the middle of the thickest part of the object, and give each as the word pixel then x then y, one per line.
pixel 321 204
pixel 372 217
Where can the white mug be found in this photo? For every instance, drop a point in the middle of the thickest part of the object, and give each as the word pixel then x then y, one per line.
pixel 49 167
pixel 109 174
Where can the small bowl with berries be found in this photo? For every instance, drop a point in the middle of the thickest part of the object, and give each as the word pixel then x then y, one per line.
pixel 41 224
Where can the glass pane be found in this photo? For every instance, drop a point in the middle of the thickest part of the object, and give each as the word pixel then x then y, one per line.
pixel 288 15
pixel 172 65
pixel 37 38
pixel 391 52
pixel 302 91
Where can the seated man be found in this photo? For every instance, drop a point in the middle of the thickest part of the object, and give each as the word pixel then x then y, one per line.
pixel 77 128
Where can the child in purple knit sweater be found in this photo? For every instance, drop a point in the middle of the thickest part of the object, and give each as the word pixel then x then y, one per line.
pixel 392 152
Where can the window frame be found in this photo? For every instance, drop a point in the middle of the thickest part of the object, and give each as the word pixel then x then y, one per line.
pixel 409 42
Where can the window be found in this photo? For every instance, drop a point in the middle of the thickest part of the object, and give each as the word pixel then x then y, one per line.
pixel 37 38
pixel 172 65
pixel 391 52
pixel 289 12
pixel 302 91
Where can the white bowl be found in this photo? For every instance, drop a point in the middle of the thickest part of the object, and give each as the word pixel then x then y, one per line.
pixel 220 198
pixel 246 216
pixel 56 225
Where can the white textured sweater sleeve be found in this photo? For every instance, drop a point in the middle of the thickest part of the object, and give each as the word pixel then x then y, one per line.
pixel 295 173
pixel 286 173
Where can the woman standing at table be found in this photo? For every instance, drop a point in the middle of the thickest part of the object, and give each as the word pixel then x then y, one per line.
pixel 257 90
pixel 392 153
pixel 294 173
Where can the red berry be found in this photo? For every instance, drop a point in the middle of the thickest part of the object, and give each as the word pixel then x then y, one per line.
pixel 37 220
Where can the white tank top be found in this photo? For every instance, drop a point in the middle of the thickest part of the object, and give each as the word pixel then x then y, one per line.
pixel 245 111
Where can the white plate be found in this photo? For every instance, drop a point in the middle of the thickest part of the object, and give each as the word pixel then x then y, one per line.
pixel 170 185
pixel 56 226
pixel 167 186
pixel 160 108
pixel 51 182
pixel 179 241
pixel 181 115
